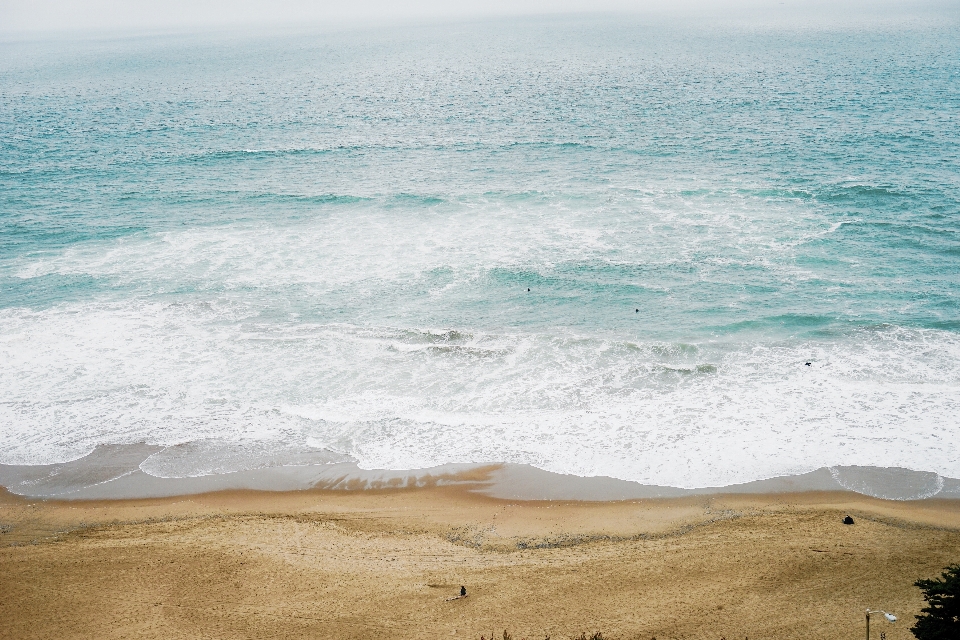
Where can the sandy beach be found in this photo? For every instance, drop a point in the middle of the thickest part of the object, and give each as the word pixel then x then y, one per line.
pixel 384 563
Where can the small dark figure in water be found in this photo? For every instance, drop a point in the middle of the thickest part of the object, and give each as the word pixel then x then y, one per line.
pixel 463 591
pixel 808 363
pixel 528 288
pixel 637 311
pixel 848 520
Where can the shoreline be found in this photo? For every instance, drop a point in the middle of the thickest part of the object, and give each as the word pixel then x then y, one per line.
pixel 113 472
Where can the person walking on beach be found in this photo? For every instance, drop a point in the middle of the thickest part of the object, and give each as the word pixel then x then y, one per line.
pixel 463 591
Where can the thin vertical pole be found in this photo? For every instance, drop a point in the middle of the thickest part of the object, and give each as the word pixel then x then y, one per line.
pixel 868 624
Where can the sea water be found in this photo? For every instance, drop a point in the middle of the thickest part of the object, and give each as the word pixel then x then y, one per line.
pixel 681 253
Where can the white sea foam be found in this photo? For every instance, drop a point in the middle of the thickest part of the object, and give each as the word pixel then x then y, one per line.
pixel 350 246
pixel 683 415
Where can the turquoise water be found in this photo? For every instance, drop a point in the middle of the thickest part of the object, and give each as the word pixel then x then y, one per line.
pixel 596 245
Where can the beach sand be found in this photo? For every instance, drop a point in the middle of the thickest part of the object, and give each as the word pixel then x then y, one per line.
pixel 382 564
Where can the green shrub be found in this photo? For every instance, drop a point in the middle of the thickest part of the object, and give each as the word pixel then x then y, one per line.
pixel 940 619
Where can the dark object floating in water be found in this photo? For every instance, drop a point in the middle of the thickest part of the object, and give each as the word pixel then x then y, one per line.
pixel 638 311
pixel 808 363
pixel 528 288
pixel 848 520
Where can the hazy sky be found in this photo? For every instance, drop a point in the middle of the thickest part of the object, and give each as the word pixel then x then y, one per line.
pixel 58 15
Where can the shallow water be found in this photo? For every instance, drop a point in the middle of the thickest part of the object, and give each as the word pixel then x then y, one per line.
pixel 598 246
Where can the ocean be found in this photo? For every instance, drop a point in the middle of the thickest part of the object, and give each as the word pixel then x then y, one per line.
pixel 681 253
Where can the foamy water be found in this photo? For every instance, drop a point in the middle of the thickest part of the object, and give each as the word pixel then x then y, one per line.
pixel 598 247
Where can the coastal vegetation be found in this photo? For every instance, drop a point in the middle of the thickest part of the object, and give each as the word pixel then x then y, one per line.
pixel 940 619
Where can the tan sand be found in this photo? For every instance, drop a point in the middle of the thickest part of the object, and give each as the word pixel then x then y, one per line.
pixel 381 564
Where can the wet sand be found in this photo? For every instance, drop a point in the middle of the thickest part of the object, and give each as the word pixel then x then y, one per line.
pixel 382 563
pixel 117 471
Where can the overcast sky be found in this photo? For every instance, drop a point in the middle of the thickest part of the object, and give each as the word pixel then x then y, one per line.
pixel 111 15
